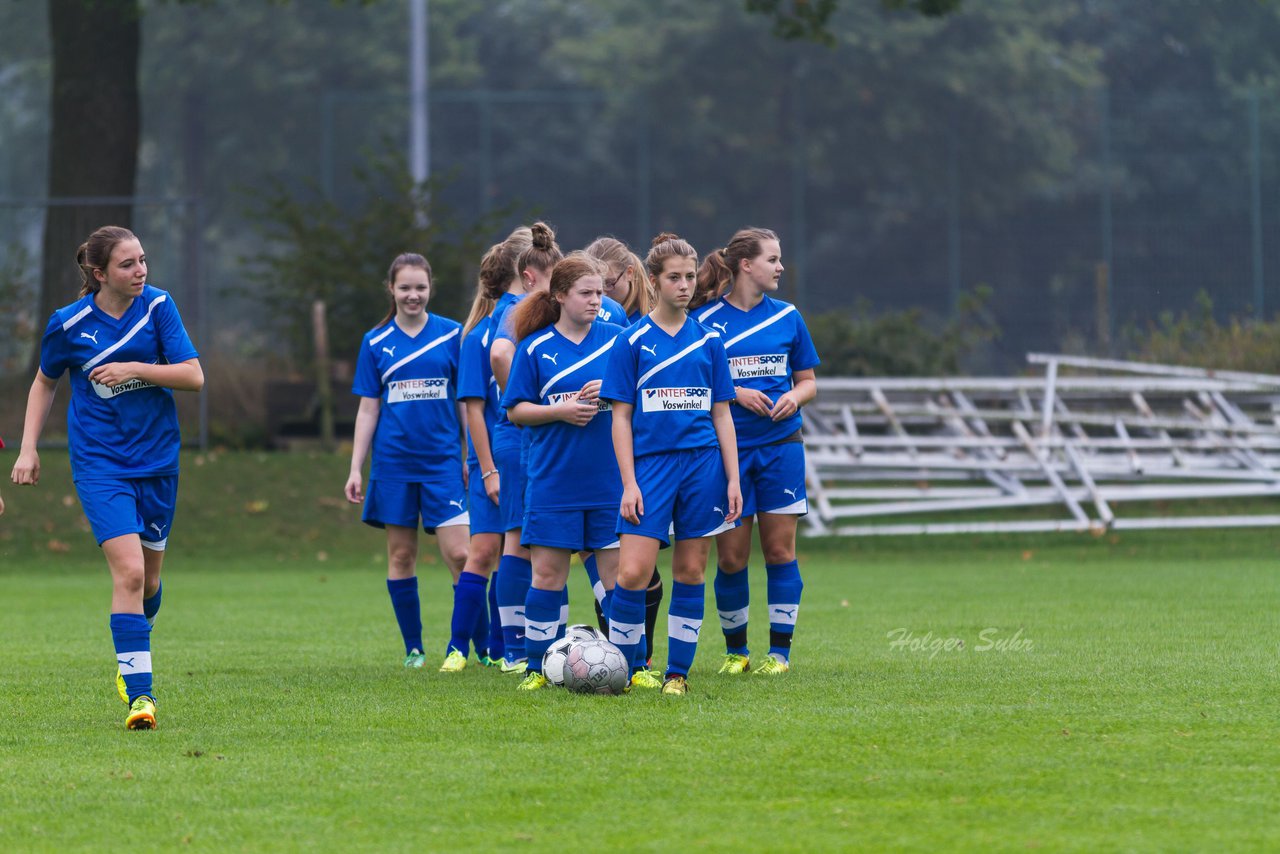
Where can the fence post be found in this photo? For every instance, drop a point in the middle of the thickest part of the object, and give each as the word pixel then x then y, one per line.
pixel 324 391
pixel 1255 206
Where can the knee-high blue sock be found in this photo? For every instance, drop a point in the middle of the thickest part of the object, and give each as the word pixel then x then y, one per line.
pixel 593 575
pixel 626 624
pixel 496 645
pixel 404 601
pixel 480 631
pixel 468 602
pixel 514 577
pixel 151 605
pixel 131 635
pixel 541 620
pixel 784 587
pixel 733 595
pixel 684 624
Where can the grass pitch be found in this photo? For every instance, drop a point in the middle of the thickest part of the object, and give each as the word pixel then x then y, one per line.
pixel 954 693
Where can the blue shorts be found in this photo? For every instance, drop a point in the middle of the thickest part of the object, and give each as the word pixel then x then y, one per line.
pixel 485 515
pixel 684 492
pixel 511 469
pixel 575 530
pixel 142 506
pixel 772 478
pixel 440 504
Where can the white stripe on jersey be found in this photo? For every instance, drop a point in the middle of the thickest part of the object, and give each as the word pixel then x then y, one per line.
pixel 133 662
pixel 580 363
pixel 416 353
pixel 730 620
pixel 375 339
pixel 484 339
pixel 684 629
pixel 535 342
pixel 784 613
pixel 642 330
pixel 137 327
pixel 761 325
pixel 78 317
pixel 677 357
pixel 710 311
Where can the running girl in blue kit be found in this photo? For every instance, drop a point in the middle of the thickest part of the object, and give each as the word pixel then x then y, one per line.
pixel 125 346
pixel 478 392
pixel 554 393
pixel 772 361
pixel 673 435
pixel 407 377
pixel 515 571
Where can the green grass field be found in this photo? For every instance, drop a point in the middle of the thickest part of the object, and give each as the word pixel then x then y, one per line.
pixel 1130 704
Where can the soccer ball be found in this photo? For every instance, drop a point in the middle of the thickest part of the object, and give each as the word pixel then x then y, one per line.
pixel 553 660
pixel 581 631
pixel 595 667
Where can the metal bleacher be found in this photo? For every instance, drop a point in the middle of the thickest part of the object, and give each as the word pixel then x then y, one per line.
pixel 1085 436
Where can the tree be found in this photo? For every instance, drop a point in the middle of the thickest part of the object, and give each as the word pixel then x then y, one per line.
pixel 93 139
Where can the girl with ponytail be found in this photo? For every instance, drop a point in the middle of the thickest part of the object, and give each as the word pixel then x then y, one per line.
pixel 554 394
pixel 772 361
pixel 673 437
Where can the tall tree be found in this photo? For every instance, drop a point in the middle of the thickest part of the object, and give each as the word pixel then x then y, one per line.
pixel 93 141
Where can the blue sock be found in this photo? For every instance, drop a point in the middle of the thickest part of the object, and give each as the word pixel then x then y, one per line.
pixel 131 635
pixel 468 603
pixel 514 577
pixel 151 605
pixel 564 613
pixel 404 600
pixel 480 632
pixel 784 588
pixel 733 595
pixel 496 646
pixel 593 575
pixel 626 624
pixel 541 619
pixel 684 624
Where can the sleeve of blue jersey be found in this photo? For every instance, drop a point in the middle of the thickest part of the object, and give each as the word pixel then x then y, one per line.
pixel 507 329
pixel 175 344
pixel 803 354
pixel 721 379
pixel 367 383
pixel 619 382
pixel 53 349
pixel 472 360
pixel 522 382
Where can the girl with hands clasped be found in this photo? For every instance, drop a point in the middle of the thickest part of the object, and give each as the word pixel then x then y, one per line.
pixel 553 391
pixel 677 454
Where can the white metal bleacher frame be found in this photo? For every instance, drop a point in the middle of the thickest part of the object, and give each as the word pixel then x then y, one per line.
pixel 1122 432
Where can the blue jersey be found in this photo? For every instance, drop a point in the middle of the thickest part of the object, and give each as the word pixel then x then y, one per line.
pixel 505 434
pixel 766 345
pixel 476 380
pixel 130 431
pixel 672 381
pixel 611 311
pixel 416 380
pixel 570 468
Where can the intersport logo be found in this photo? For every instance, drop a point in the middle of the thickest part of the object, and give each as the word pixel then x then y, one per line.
pixel 746 367
pixel 676 399
pixel 602 405
pixel 407 391
pixel 132 385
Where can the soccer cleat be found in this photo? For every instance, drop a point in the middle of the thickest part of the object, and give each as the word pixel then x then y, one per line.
pixel 675 684
pixel 735 664
pixel 121 688
pixel 142 714
pixel 517 666
pixel 415 659
pixel 486 661
pixel 773 666
pixel 454 662
pixel 644 678
pixel 532 681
